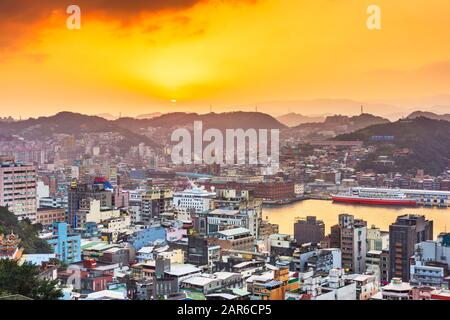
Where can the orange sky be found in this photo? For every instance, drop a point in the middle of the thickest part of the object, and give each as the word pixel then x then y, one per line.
pixel 231 54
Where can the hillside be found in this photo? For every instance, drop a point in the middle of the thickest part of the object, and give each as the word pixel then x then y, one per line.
pixel 330 106
pixel 148 116
pixel 428 141
pixel 429 115
pixel 295 119
pixel 232 120
pixel 25 230
pixel 333 126
pixel 106 116
pixel 70 123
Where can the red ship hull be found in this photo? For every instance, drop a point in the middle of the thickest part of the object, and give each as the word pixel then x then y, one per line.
pixel 379 202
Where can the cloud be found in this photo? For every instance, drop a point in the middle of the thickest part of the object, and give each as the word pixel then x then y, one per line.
pixel 25 9
pixel 20 17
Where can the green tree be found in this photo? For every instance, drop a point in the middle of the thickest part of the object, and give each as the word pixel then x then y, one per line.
pixel 24 280
pixel 27 232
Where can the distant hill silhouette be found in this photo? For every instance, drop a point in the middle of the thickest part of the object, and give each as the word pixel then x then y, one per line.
pixel 70 123
pixel 106 116
pixel 428 140
pixel 231 120
pixel 329 106
pixel 130 128
pixel 332 126
pixel 294 119
pixel 148 116
pixel 429 115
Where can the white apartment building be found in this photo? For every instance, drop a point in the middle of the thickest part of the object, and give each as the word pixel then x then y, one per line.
pixel 196 200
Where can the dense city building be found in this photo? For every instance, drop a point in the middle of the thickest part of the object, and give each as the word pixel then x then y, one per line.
pixel 350 235
pixel 404 234
pixel 309 229
pixel 18 188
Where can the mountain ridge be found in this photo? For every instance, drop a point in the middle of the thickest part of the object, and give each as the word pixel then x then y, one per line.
pixel 427 140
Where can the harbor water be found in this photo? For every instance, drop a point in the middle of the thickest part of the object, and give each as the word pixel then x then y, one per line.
pixel 380 216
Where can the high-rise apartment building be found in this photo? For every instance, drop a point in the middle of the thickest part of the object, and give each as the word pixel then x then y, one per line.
pixel 350 235
pixel 309 229
pixel 81 194
pixel 18 188
pixel 404 234
pixel 154 203
pixel 66 246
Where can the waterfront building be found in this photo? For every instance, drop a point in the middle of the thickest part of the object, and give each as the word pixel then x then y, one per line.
pixel 350 235
pixel 431 262
pixel 308 230
pixel 404 234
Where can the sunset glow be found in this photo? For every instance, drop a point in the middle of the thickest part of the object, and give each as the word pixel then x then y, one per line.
pixel 221 53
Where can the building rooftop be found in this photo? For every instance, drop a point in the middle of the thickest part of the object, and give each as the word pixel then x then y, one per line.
pixel 225 296
pixel 145 250
pixel 224 212
pixel 362 277
pixel 397 285
pixel 234 232
pixel 225 275
pixel 199 281
pixel 37 259
pixel 97 246
pixel 273 283
pixel 182 269
pixel 107 295
pixel 244 264
pixel 267 276
pixel 240 292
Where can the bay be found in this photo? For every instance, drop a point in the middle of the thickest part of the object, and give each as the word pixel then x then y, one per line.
pixel 380 216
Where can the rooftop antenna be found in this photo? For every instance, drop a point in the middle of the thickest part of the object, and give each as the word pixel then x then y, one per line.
pixel 362 109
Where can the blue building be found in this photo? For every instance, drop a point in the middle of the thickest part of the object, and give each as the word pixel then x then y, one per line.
pixel 147 236
pixel 89 231
pixel 66 246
